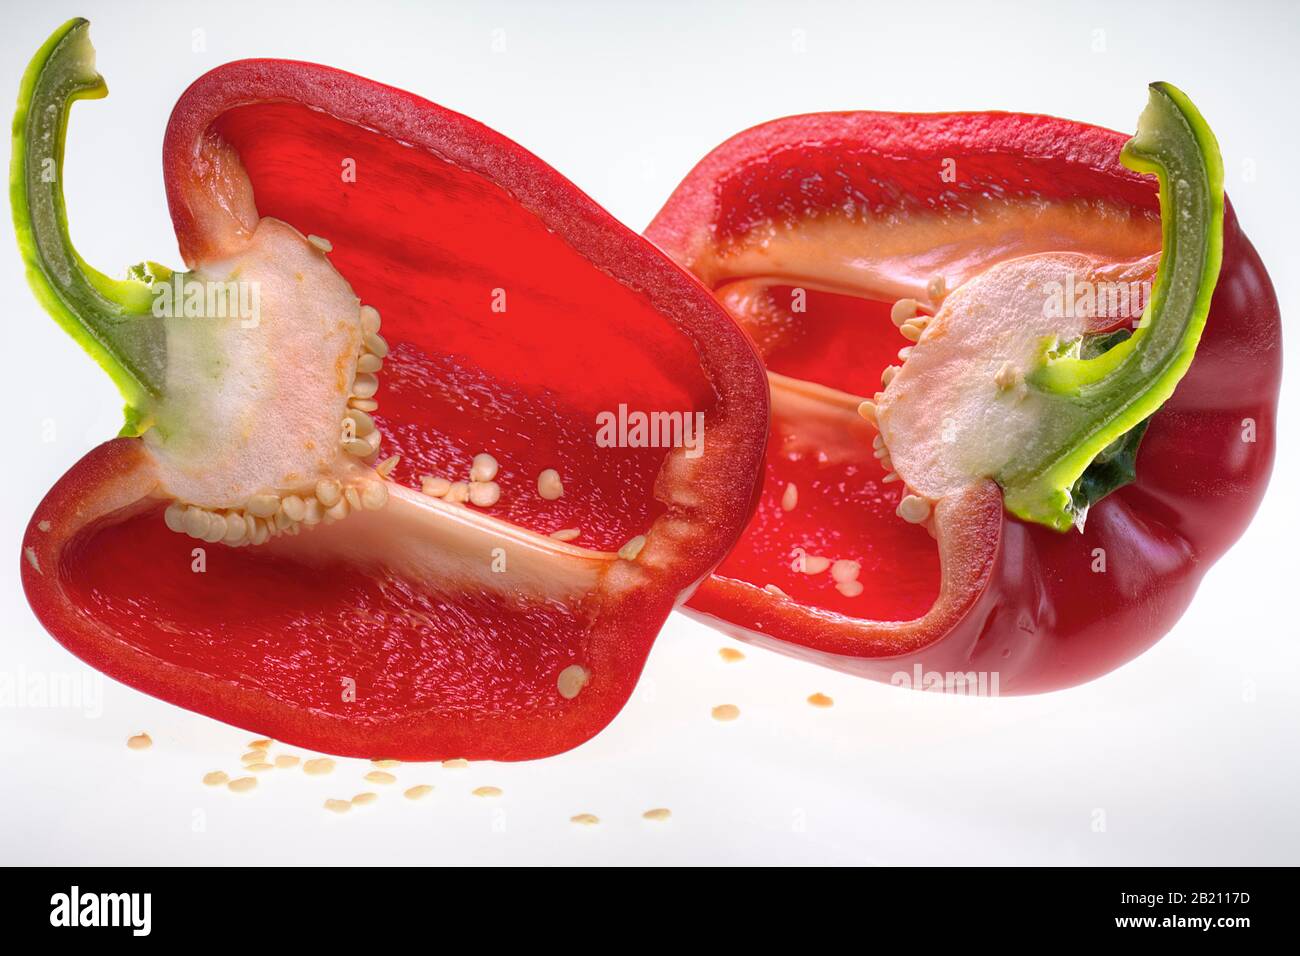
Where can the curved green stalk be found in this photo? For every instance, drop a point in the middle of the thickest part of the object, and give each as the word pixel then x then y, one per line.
pixel 110 319
pixel 1092 402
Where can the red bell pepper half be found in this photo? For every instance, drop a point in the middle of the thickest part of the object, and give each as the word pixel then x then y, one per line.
pixel 1011 489
pixel 253 548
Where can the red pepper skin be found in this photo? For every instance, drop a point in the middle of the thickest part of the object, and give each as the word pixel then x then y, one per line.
pixel 268 637
pixel 1017 600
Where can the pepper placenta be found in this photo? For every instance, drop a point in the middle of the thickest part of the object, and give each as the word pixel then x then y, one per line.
pixel 1075 423
pixel 410 543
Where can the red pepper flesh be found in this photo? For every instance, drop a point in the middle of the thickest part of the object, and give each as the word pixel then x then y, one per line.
pixel 856 210
pixel 425 630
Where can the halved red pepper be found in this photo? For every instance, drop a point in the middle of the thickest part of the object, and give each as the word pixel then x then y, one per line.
pixel 491 594
pixel 1016 424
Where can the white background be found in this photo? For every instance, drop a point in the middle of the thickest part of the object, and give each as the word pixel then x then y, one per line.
pixel 1187 755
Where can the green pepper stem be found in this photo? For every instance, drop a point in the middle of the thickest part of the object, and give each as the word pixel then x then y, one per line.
pixel 1089 403
pixel 110 319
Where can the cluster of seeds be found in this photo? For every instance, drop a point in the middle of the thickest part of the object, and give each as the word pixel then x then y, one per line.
pixel 257 759
pixel 657 815
pixel 905 314
pixel 266 515
pixel 380 776
pixel 481 489
pixel 911 322
pixel 844 572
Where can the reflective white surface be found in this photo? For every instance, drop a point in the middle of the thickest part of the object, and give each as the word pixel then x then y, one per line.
pixel 1187 755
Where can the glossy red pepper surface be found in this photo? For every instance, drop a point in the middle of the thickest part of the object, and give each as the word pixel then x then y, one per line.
pixel 812 204
pixel 517 310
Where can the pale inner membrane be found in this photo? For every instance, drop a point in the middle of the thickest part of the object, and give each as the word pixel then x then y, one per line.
pixel 258 384
pixel 959 408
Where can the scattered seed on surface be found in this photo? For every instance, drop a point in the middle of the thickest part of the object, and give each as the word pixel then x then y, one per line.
pixel 850 588
pixel 458 493
pixel 261 506
pixel 262 743
pixel 380 776
pixel 483 468
pixel 361 799
pixel 845 570
pixel 726 712
pixel 790 497
pixel 457 763
pixel 914 509
pixel 484 494
pixel 417 792
pixel 572 680
pixel 215 779
pixel 815 563
pixel 549 485
pixel 566 534
pixel 318 765
pixel 903 310
pixel 362 422
pixel 253 756
pixel 385 763
pixel 285 761
pixel 658 814
pixel 820 700
pixel 139 742
pixel 385 467
pixel 259 767
pixel 364 385
pixel 868 411
pixel 434 486
pixel 294 507
pixel 374 495
pixel 1006 376
pixel 773 589
pixel 321 243
pixel 585 819
pixel 338 806
pixel 730 654
pixel 630 550
pixel 936 288
pixel 242 784
pixel 487 791
pixel 328 492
